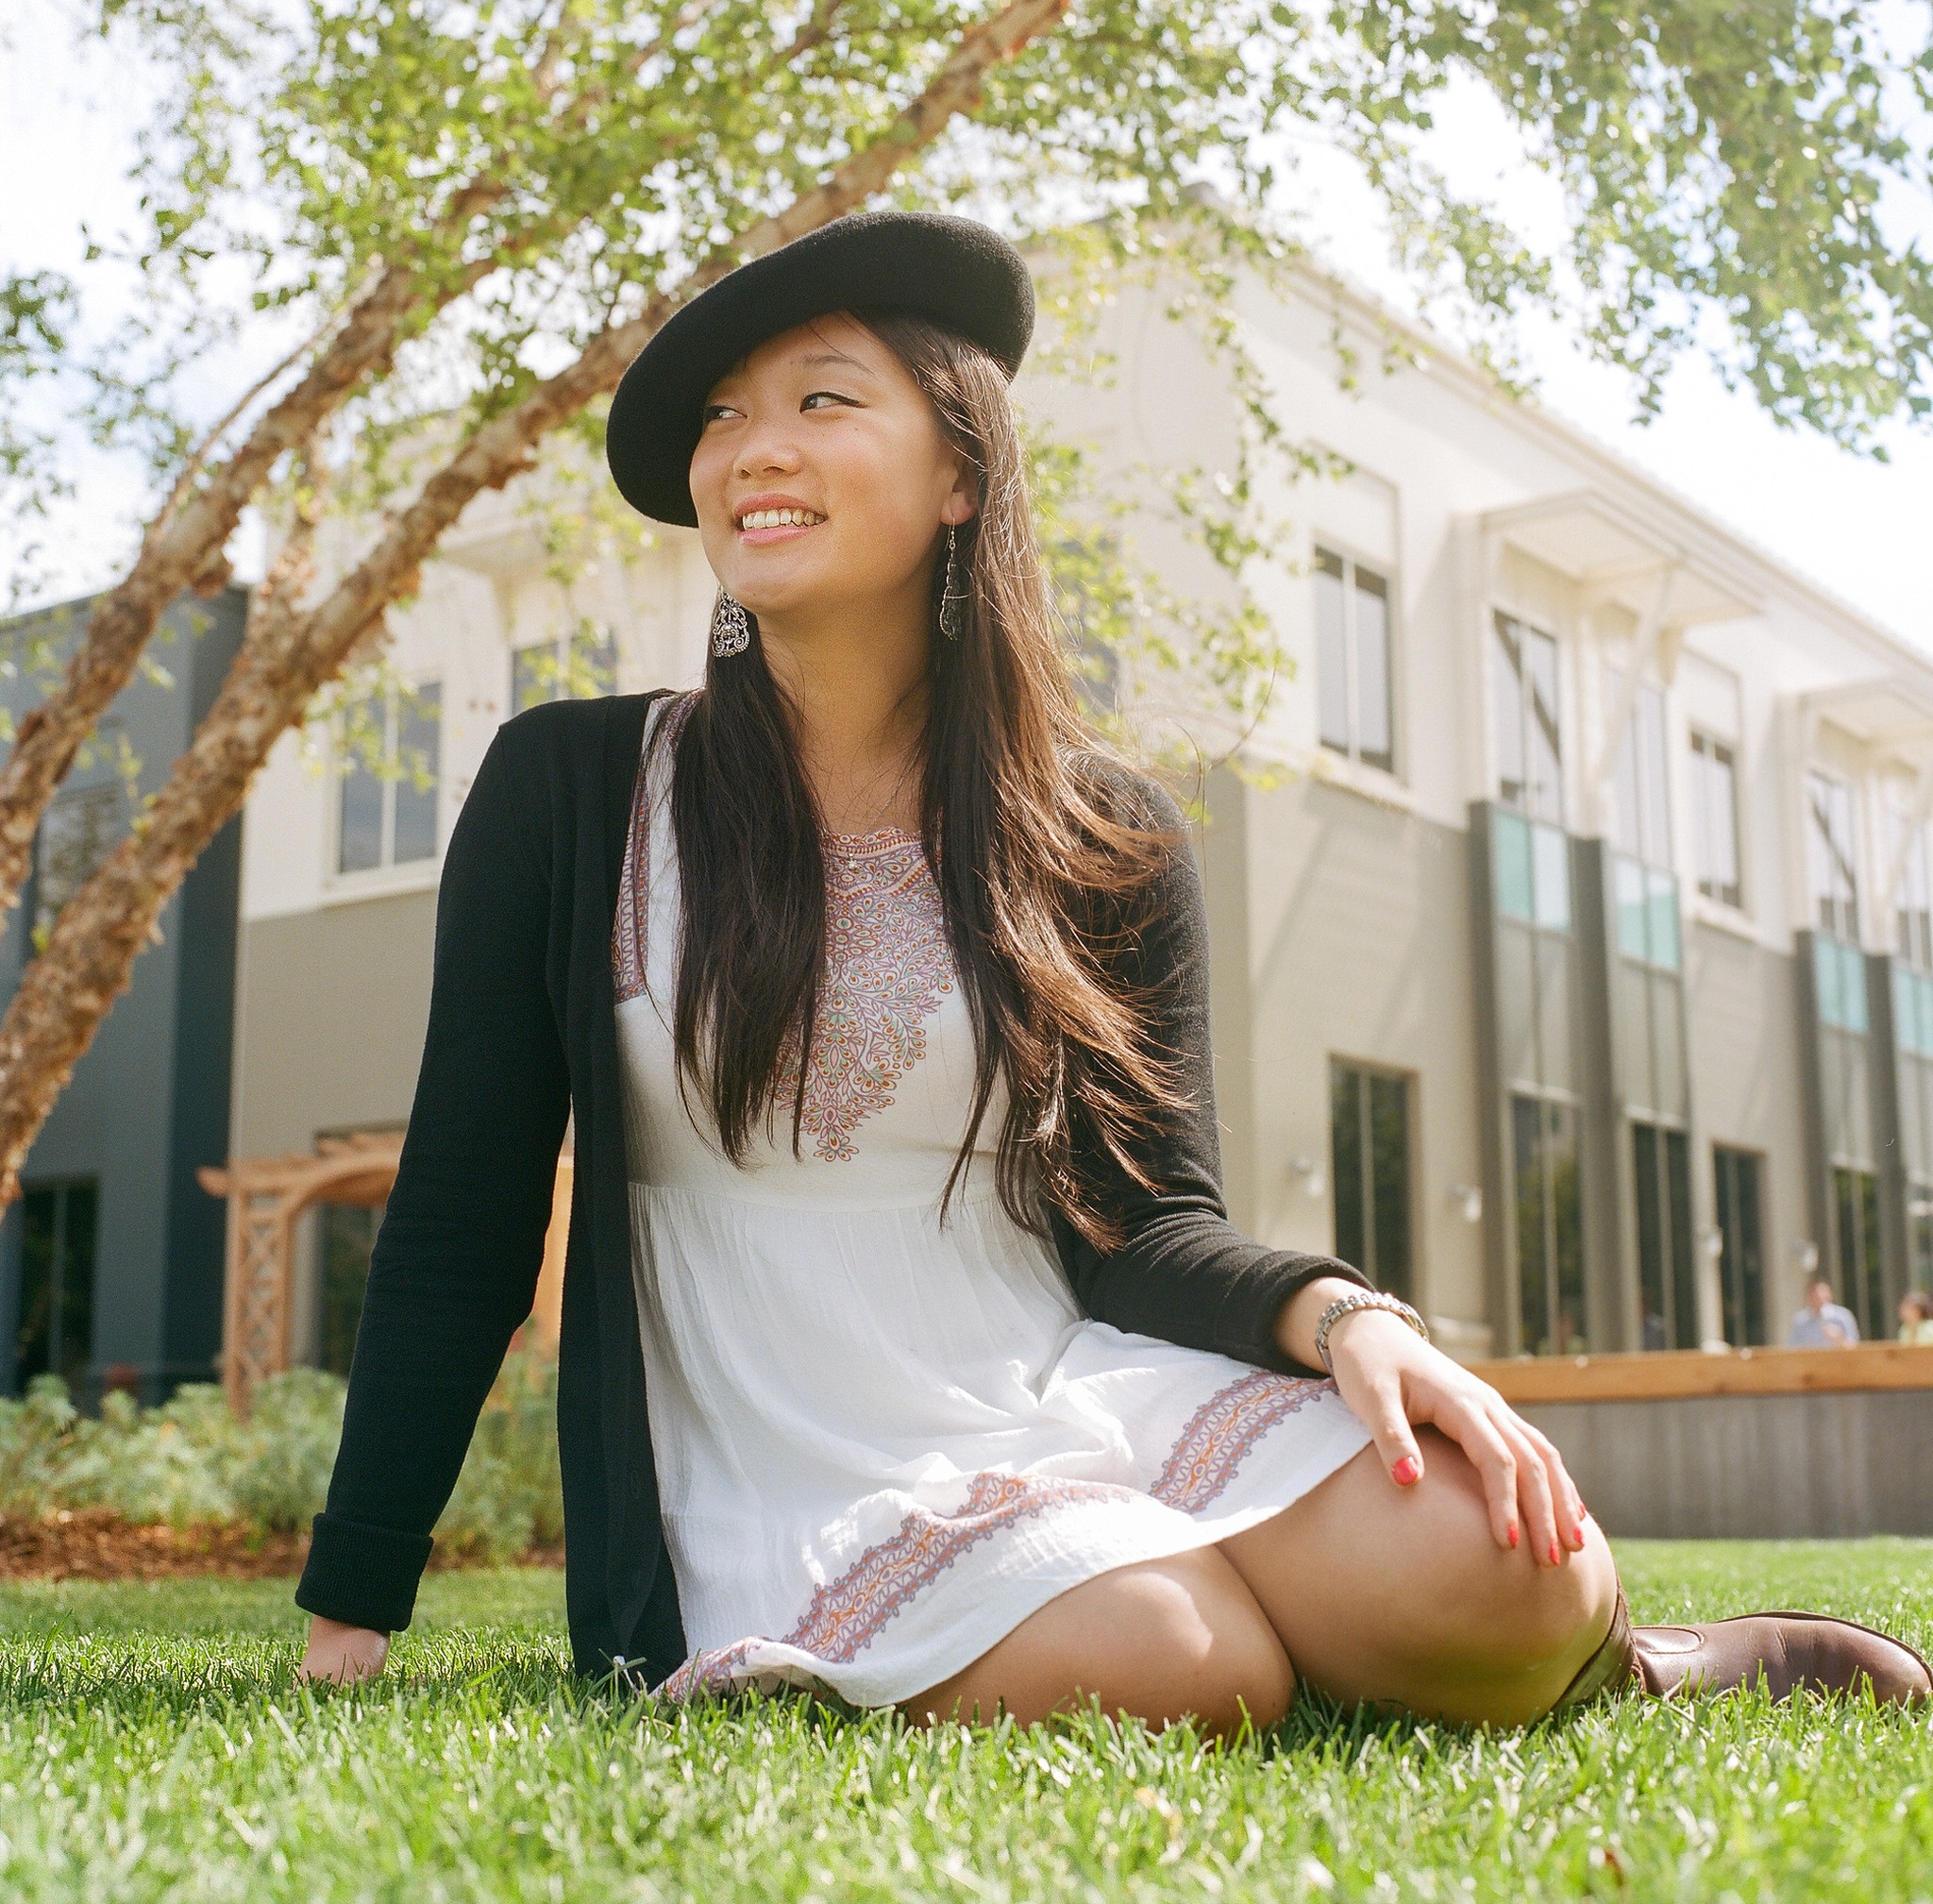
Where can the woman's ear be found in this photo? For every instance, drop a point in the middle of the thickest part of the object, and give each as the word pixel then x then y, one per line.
pixel 963 505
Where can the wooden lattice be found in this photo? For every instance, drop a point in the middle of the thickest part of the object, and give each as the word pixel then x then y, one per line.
pixel 267 1198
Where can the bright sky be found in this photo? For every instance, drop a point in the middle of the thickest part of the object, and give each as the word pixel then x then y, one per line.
pixel 1861 528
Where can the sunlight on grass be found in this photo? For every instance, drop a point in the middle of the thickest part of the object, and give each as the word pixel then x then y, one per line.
pixel 153 1743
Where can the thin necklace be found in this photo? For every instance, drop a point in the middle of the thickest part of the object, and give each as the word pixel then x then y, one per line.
pixel 892 793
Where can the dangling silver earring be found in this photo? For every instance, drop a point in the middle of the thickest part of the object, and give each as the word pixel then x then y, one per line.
pixel 951 594
pixel 730 627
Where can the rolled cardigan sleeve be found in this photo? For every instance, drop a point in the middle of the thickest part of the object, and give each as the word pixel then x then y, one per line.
pixel 1183 1272
pixel 455 1265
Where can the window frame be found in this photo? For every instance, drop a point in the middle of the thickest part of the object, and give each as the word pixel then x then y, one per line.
pixel 1845 926
pixel 1407 1083
pixel 1704 744
pixel 1911 944
pixel 559 644
pixel 1339 550
pixel 1493 666
pixel 389 874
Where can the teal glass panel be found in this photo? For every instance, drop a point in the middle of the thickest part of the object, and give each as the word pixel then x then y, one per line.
pixel 1514 889
pixel 1906 1010
pixel 1627 880
pixel 1550 853
pixel 1661 906
pixel 1852 987
pixel 1922 988
pixel 1825 979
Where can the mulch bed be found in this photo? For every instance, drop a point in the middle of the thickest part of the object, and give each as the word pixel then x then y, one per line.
pixel 94 1544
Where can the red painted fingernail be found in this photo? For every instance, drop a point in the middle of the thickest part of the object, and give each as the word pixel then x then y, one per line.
pixel 1556 1555
pixel 1406 1471
pixel 1513 1533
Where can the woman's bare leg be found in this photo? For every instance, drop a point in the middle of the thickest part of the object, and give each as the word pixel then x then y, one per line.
pixel 1161 1641
pixel 1380 1593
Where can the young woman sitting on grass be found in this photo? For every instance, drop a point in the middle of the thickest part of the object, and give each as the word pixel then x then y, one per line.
pixel 907 1349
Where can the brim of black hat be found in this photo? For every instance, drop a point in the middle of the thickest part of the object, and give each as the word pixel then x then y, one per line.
pixel 954 271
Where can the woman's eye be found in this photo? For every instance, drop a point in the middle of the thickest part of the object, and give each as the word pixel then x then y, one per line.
pixel 712 411
pixel 823 395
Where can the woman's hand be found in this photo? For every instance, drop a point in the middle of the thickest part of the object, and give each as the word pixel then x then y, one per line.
pixel 1393 1380
pixel 340 1654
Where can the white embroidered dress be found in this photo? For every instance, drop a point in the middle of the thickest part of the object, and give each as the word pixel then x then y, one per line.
pixel 883 1441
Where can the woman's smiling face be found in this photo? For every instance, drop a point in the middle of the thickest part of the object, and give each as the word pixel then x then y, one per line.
pixel 822 476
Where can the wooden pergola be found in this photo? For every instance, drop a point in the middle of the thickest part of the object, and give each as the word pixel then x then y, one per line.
pixel 268 1196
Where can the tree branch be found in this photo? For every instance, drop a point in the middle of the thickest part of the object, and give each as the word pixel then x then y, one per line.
pixel 288 655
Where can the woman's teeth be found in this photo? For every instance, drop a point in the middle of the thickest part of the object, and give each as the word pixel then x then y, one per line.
pixel 779 518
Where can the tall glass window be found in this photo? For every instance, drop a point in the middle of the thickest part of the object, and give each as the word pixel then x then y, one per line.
pixel 1667 1280
pixel 1832 856
pixel 1643 818
pixel 55 1331
pixel 1353 660
pixel 386 810
pixel 1741 1252
pixel 1550 1233
pixel 1715 812
pixel 1530 758
pixel 1855 1227
pixel 578 664
pixel 1368 1135
pixel 1913 911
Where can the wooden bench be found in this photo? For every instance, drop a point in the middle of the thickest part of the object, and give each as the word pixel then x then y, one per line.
pixel 1749 1443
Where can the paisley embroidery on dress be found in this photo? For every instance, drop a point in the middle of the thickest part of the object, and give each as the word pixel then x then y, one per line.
pixel 887 966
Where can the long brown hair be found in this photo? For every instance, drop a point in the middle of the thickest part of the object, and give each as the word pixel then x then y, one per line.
pixel 1042 858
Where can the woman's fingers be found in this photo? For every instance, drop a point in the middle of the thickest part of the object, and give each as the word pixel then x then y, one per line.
pixel 1534 1493
pixel 1387 1422
pixel 1470 1425
pixel 1563 1488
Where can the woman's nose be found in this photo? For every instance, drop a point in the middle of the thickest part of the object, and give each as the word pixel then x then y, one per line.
pixel 763 451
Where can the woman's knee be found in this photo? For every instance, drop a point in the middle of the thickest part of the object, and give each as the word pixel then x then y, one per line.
pixel 1161 1641
pixel 1522 1612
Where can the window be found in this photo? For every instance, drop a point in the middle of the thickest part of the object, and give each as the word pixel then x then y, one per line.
pixel 347 1238
pixel 1550 1235
pixel 1644 818
pixel 578 664
pixel 1532 872
pixel 1839 973
pixel 1529 751
pixel 1353 660
pixel 387 815
pixel 1912 911
pixel 1831 856
pixel 1741 1258
pixel 1369 1132
pixel 1715 814
pixel 1667 1280
pixel 81 827
pixel 56 1334
pixel 1647 904
pixel 1856 1229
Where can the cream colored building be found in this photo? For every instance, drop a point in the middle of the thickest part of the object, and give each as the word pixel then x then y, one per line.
pixel 1573 966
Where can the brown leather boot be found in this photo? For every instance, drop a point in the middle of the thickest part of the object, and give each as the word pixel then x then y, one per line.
pixel 1784 1653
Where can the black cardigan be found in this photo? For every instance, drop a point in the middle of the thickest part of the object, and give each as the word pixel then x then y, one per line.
pixel 521 1032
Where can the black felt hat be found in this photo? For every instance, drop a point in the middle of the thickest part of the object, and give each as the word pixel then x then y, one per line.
pixel 954 271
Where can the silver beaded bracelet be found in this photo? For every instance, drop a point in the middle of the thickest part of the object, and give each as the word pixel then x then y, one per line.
pixel 1362 1299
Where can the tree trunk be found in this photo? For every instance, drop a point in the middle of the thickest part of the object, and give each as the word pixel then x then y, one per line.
pixel 289 652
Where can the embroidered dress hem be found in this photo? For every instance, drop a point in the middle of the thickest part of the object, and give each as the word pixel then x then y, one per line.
pixel 1059 1534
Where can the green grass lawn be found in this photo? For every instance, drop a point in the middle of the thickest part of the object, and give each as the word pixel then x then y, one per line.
pixel 153 1746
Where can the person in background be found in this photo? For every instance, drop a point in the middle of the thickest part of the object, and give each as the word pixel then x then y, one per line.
pixel 1823 1323
pixel 1916 1318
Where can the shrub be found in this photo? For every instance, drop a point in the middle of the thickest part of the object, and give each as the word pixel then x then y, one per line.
pixel 191 1460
